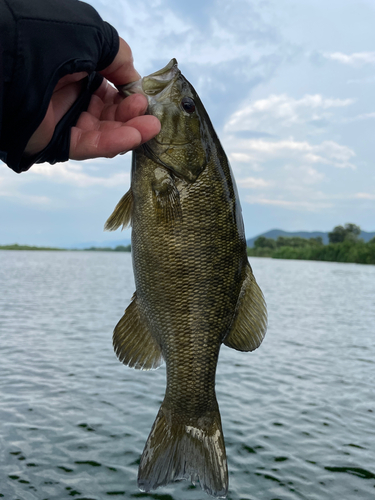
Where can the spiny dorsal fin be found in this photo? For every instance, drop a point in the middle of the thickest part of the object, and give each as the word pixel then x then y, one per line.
pixel 133 342
pixel 250 321
pixel 122 213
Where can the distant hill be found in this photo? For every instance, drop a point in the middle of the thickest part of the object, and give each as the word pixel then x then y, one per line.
pixel 275 233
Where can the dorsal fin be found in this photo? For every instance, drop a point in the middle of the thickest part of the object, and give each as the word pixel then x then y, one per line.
pixel 122 213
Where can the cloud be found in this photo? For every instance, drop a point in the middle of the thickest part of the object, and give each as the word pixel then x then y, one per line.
pixel 228 25
pixel 59 181
pixel 355 59
pixel 296 175
pixel 293 192
pixel 357 118
pixel 78 174
pixel 293 187
pixel 10 185
pixel 289 193
pixel 220 45
pixel 364 196
pixel 303 175
pixel 311 206
pixel 26 199
pixel 277 112
pixel 261 151
pixel 297 172
pixel 252 182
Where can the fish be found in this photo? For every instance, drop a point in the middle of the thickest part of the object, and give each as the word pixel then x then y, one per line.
pixel 195 289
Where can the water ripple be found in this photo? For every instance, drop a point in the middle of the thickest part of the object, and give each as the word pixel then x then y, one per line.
pixel 298 413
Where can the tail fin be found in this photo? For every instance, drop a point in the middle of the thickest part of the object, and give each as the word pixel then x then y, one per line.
pixel 176 451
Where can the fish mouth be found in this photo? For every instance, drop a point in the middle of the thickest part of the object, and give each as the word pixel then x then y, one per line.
pixel 158 81
pixel 153 84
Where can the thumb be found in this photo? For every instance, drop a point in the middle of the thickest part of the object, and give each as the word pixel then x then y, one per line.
pixel 121 71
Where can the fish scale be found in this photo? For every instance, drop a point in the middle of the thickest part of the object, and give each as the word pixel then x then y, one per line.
pixel 194 286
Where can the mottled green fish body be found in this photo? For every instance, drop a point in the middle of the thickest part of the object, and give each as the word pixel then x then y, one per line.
pixel 194 286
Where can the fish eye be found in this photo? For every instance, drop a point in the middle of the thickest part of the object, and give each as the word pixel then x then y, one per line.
pixel 188 105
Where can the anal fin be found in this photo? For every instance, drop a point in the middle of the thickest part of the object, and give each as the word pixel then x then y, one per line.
pixel 133 342
pixel 249 325
pixel 122 213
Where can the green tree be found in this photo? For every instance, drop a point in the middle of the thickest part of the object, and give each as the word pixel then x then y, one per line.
pixel 317 241
pixel 263 242
pixel 292 241
pixel 349 232
pixel 352 232
pixel 337 235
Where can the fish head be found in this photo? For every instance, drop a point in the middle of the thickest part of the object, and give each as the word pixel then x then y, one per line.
pixel 183 141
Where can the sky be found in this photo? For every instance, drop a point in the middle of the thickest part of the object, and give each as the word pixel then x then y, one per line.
pixel 289 86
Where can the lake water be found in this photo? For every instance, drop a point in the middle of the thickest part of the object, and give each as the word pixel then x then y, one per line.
pixel 298 414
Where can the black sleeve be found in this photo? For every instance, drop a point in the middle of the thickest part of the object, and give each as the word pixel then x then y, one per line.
pixel 40 42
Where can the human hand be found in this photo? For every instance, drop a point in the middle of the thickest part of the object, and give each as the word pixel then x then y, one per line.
pixel 111 125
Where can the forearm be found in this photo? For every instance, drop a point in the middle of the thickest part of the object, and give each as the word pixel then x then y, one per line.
pixel 43 41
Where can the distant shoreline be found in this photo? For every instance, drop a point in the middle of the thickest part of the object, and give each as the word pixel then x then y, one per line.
pixel 15 246
pixel 351 252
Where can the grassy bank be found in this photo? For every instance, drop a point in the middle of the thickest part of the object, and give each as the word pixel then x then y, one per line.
pixel 346 251
pixel 15 246
pixel 120 248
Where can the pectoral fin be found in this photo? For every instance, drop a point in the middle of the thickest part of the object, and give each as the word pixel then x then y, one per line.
pixel 166 195
pixel 250 321
pixel 122 213
pixel 133 342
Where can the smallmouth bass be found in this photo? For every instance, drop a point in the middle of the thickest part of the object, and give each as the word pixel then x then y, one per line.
pixel 194 285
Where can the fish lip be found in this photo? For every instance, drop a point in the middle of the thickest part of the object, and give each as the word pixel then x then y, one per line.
pixel 154 84
pixel 167 73
pixel 131 88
